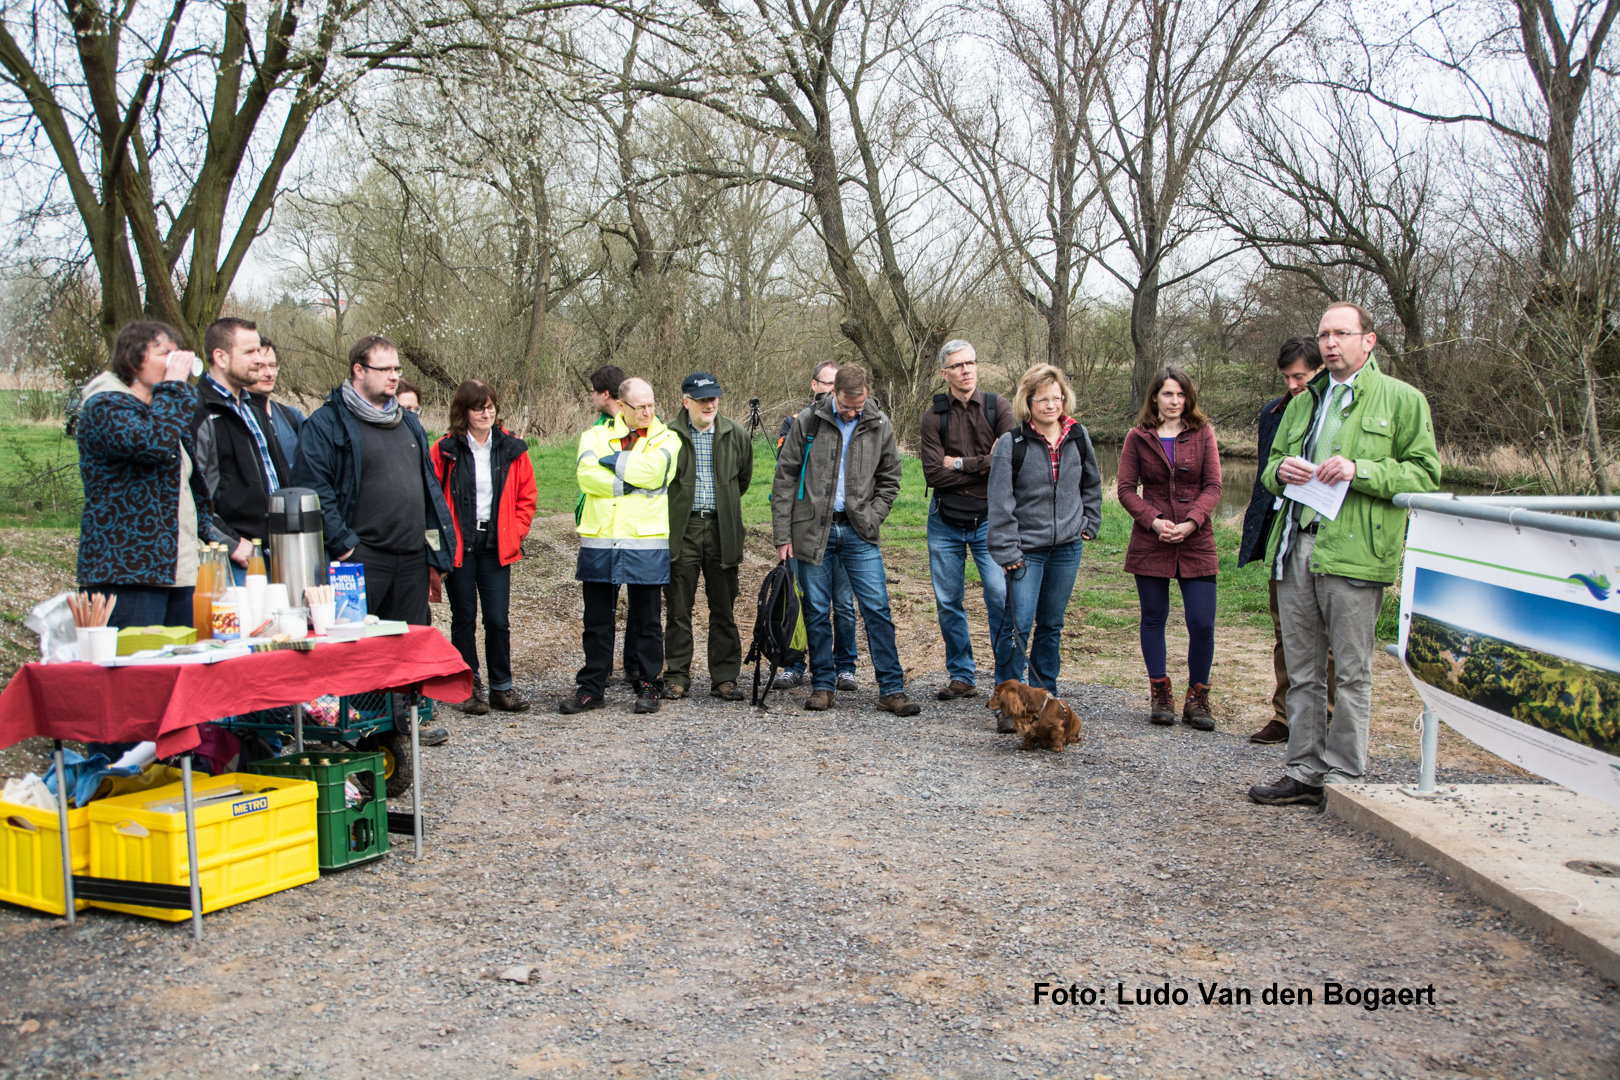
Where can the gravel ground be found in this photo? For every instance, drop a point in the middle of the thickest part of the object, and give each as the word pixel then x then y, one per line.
pixel 712 891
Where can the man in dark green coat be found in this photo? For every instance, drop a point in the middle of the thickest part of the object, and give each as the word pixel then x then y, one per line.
pixel 705 534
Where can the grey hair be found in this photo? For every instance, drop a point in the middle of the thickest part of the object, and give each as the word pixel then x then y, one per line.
pixel 953 346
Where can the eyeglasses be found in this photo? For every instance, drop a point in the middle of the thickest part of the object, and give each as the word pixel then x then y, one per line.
pixel 1329 335
pixel 959 367
pixel 385 370
pixel 1058 401
pixel 489 408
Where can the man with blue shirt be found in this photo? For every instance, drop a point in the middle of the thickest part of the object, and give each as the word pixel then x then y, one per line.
pixel 239 456
pixel 837 475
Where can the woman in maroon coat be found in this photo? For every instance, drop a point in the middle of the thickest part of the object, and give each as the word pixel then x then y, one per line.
pixel 1172 458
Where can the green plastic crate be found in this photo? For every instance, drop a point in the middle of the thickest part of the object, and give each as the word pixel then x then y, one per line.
pixel 347 834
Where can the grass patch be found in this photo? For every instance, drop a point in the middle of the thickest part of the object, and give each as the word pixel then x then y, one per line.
pixel 39 476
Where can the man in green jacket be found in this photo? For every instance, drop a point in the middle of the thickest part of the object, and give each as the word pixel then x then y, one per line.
pixel 705 533
pixel 1354 425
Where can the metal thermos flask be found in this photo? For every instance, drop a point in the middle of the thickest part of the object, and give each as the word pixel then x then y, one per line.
pixel 297 544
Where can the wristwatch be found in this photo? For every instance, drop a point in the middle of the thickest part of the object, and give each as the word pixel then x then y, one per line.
pixel 958 465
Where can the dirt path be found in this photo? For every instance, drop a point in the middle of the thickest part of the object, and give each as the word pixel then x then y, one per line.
pixel 711 891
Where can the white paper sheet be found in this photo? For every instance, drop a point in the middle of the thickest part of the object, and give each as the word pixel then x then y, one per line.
pixel 1325 499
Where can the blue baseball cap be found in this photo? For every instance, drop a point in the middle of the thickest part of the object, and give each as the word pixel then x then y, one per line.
pixel 700 385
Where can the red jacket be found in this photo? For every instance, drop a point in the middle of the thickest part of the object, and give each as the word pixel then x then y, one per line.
pixel 1191 494
pixel 513 483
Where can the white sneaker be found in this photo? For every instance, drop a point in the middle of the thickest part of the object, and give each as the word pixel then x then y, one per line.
pixel 786 679
pixel 846 681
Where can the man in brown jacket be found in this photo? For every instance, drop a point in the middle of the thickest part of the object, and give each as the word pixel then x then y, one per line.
pixel 958 432
pixel 837 475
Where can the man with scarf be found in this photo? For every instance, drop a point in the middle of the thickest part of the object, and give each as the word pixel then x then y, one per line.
pixel 367 459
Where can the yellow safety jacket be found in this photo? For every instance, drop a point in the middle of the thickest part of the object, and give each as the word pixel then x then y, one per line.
pixel 624 523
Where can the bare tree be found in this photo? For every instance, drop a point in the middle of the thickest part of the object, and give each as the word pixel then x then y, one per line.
pixel 1183 66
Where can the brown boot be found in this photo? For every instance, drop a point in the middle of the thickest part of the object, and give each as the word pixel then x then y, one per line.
pixel 1274 732
pixel 1164 701
pixel 1195 713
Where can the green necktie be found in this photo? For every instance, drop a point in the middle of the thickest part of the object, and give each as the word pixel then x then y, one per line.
pixel 1323 448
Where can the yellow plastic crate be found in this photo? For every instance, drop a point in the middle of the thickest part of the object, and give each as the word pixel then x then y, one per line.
pixel 248 845
pixel 31 855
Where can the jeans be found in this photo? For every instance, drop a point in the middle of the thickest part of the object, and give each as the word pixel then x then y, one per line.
pixel 843 619
pixel 1038 598
pixel 1198 608
pixel 948 549
pixel 482 582
pixel 863 563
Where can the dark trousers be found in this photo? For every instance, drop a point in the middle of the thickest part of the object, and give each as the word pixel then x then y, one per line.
pixel 700 551
pixel 482 582
pixel 1197 607
pixel 641 627
pixel 396 585
pixel 147 605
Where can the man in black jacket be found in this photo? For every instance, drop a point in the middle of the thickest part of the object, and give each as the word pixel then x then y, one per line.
pixel 238 453
pixel 1298 361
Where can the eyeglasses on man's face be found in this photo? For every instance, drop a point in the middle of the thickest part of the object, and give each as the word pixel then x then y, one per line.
pixel 1339 335
pixel 385 370
pixel 965 364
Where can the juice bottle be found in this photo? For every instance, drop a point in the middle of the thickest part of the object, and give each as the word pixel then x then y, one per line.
pixel 202 597
pixel 256 560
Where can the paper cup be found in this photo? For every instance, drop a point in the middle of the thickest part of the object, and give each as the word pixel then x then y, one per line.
pixel 276 598
pixel 82 634
pixel 322 616
pixel 103 642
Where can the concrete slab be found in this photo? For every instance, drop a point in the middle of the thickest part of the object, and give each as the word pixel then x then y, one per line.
pixel 1510 844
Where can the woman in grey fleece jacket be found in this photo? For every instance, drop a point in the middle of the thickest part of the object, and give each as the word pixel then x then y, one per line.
pixel 1039 519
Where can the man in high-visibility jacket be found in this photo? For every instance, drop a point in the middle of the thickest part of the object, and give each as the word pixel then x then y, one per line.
pixel 624 470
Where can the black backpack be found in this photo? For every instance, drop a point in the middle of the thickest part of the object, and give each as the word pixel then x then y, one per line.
pixel 779 636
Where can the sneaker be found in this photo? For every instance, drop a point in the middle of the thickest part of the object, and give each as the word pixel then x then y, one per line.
pixel 646 698
pixel 508 701
pixel 819 700
pixel 580 702
pixel 899 705
pixel 1163 706
pixel 786 679
pixel 847 683
pixel 1195 713
pixel 476 704
pixel 726 691
pixel 673 692
pixel 957 689
pixel 1274 732
pixel 433 736
pixel 1286 791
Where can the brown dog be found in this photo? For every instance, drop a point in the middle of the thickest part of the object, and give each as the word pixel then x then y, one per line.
pixel 1043 720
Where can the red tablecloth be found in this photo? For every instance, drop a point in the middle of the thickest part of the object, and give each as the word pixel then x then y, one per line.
pixel 164 703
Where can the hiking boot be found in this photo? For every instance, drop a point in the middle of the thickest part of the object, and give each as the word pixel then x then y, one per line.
pixel 847 683
pixel 476 704
pixel 899 705
pixel 580 702
pixel 787 679
pixel 1195 713
pixel 646 698
pixel 433 736
pixel 508 700
pixel 1163 707
pixel 674 691
pixel 1286 791
pixel 957 689
pixel 819 700
pixel 1275 731
pixel 726 691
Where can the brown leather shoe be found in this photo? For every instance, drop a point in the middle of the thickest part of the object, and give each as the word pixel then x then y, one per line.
pixel 819 700
pixel 477 704
pixel 1274 732
pixel 957 689
pixel 673 691
pixel 899 705
pixel 726 691
pixel 1163 707
pixel 508 701
pixel 1195 713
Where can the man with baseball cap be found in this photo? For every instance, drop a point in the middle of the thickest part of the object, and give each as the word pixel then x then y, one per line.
pixel 715 466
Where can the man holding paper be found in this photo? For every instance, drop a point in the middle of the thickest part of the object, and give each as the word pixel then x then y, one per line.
pixel 1359 436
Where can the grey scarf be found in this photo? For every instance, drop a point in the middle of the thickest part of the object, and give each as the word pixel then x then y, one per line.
pixel 387 416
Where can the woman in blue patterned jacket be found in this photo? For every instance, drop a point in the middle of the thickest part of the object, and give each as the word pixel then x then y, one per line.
pixel 138 536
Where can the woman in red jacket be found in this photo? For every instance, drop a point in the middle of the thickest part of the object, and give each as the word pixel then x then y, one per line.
pixel 1172 457
pixel 488 483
